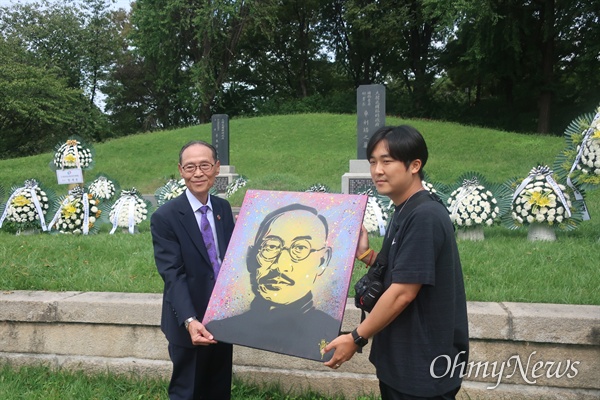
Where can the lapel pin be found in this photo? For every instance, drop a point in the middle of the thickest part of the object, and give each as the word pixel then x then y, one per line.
pixel 218 217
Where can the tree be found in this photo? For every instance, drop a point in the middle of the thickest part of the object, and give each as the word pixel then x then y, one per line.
pixel 284 58
pixel 390 40
pixel 46 71
pixel 528 53
pixel 52 36
pixel 191 47
pixel 37 108
pixel 101 42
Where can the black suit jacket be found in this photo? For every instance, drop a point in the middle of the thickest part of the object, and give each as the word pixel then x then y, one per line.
pixel 182 261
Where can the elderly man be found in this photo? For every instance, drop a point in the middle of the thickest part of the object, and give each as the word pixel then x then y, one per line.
pixel 190 235
pixel 289 253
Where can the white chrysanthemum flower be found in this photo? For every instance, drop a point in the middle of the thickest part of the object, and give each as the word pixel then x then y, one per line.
pixel 375 215
pixel 170 190
pixel 72 212
pixel 429 187
pixel 102 188
pixel 541 201
pixel 123 207
pixel 471 205
pixel 72 154
pixel 25 209
pixel 240 182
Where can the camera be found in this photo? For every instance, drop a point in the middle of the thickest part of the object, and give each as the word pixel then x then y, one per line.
pixel 369 288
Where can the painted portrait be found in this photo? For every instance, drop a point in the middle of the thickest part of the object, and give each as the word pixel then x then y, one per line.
pixel 284 280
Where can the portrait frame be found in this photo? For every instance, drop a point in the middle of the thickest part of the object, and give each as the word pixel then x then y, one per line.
pixel 316 318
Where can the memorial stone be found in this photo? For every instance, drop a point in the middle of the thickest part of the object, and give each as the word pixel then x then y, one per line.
pixel 220 136
pixel 370 107
pixel 220 140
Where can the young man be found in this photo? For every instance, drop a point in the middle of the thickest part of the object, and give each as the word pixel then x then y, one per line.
pixel 422 313
pixel 190 235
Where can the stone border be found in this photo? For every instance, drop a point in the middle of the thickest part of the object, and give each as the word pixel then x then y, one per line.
pixel 96 331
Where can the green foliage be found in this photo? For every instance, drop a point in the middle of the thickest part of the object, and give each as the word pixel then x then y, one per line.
pixel 36 109
pixel 52 58
pixel 512 57
pixel 501 64
pixel 187 51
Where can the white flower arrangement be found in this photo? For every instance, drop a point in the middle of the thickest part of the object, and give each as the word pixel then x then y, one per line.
pixel 590 153
pixel 27 207
pixel 579 163
pixel 429 187
pixel 73 154
pixel 173 188
pixel 129 210
pixel 436 188
pixel 318 188
pixel 236 185
pixel 540 199
pixel 78 213
pixel 102 188
pixel 472 204
pixel 376 213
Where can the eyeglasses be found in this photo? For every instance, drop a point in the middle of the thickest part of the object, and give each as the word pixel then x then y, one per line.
pixel 204 167
pixel 299 250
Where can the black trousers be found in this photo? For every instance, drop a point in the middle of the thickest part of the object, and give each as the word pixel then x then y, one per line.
pixel 201 373
pixel 389 393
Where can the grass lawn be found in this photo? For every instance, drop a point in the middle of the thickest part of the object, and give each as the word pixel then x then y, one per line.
pixel 43 383
pixel 291 153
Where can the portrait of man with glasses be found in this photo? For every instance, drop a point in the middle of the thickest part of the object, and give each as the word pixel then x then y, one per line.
pixel 289 253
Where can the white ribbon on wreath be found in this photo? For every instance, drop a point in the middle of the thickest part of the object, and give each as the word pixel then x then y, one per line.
pixel 379 216
pixel 86 210
pixel 547 173
pixel 576 192
pixel 86 213
pixel 130 200
pixel 75 153
pixel 31 185
pixel 467 188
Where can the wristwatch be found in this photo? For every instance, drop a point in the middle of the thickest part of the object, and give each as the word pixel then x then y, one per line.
pixel 359 340
pixel 188 321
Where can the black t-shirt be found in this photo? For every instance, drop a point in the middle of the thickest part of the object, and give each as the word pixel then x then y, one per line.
pixel 416 353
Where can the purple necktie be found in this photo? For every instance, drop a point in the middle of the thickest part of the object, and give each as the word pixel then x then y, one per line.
pixel 209 240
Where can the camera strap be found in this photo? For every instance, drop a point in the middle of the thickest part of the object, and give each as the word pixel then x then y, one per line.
pixel 413 201
pixel 382 258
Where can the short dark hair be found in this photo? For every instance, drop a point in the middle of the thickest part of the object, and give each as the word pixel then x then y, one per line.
pixel 404 143
pixel 269 218
pixel 202 143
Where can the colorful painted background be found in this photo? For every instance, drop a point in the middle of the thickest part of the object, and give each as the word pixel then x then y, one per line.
pixel 344 213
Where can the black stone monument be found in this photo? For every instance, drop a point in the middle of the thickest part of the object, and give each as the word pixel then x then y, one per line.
pixel 370 110
pixel 370 107
pixel 220 136
pixel 220 139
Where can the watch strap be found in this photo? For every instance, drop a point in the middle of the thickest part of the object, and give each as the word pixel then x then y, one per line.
pixel 188 321
pixel 359 340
